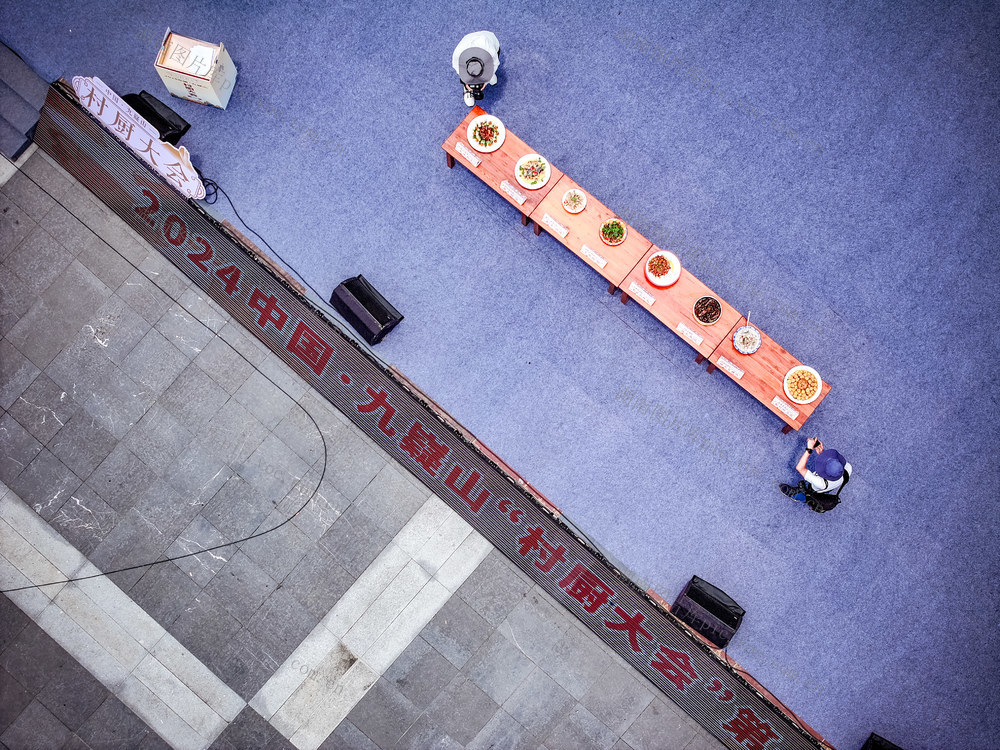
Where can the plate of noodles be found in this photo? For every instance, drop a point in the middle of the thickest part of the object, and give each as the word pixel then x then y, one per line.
pixel 574 201
pixel 746 340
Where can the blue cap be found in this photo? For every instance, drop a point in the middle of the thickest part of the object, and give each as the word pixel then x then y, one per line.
pixel 829 464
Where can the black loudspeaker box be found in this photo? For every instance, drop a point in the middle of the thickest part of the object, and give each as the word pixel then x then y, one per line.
pixel 709 610
pixel 170 125
pixel 368 312
pixel 879 743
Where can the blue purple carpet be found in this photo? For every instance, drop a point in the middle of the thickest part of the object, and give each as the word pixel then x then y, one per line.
pixel 830 168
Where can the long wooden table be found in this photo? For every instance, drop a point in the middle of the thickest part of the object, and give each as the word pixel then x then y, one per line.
pixel 760 374
pixel 581 233
pixel 674 306
pixel 496 169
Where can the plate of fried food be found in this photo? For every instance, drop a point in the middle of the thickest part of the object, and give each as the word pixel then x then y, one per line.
pixel 663 268
pixel 803 384
pixel 486 133
pixel 532 171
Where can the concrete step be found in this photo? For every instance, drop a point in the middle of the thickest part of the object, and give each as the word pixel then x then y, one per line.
pixel 19 76
pixel 12 143
pixel 16 110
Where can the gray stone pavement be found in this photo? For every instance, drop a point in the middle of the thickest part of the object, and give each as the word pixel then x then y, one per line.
pixel 137 422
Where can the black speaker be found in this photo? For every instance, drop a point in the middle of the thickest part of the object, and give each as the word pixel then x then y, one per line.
pixel 170 125
pixel 709 610
pixel 368 312
pixel 879 743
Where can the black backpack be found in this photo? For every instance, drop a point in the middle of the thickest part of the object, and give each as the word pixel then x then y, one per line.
pixel 822 502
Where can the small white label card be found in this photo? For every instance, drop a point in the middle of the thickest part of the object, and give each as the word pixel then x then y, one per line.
pixel 784 408
pixel 513 192
pixel 468 154
pixel 597 258
pixel 690 335
pixel 555 226
pixel 638 291
pixel 729 367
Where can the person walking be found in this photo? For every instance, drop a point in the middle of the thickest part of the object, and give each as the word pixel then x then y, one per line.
pixel 820 486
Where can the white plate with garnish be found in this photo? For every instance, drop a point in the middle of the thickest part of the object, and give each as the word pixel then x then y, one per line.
pixel 532 171
pixel 486 133
pixel 663 269
pixel 574 201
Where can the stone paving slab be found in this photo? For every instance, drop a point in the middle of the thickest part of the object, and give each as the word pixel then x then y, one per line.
pixel 137 420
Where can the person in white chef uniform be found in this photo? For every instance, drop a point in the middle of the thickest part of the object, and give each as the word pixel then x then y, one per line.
pixel 476 59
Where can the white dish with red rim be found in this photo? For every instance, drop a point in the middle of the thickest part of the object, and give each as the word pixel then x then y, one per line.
pixel 659 276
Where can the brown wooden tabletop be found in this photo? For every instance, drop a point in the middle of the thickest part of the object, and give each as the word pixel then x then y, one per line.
pixel 583 237
pixel 763 376
pixel 497 167
pixel 674 306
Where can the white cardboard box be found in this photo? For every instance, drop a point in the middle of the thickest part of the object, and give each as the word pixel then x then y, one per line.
pixel 197 71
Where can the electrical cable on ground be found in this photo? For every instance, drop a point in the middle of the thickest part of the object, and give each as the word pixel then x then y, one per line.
pixel 212 190
pixel 256 535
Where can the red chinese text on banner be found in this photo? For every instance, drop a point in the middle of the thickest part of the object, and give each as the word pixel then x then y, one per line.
pixel 465 491
pixel 586 588
pixel 380 400
pixel 424 448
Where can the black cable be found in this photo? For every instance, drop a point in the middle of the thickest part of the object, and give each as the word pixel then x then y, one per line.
pixel 212 189
pixel 218 546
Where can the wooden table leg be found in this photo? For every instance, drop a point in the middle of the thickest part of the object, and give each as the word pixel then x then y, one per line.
pixel 699 358
pixel 625 297
pixel 538 229
pixel 786 429
pixel 449 160
pixel 710 369
pixel 611 288
pixel 524 220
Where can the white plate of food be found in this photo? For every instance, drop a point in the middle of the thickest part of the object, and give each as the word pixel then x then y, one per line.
pixel 663 268
pixel 574 201
pixel 486 133
pixel 532 171
pixel 746 340
pixel 613 232
pixel 803 384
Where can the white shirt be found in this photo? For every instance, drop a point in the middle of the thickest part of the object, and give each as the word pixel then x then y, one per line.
pixel 823 485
